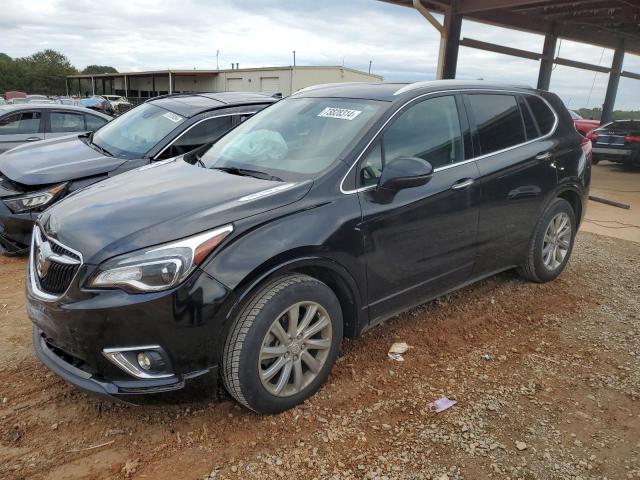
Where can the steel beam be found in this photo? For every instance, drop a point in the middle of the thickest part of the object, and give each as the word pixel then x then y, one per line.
pixel 452 26
pixel 612 86
pixel 468 6
pixel 635 76
pixel 492 47
pixel 546 62
pixel 582 65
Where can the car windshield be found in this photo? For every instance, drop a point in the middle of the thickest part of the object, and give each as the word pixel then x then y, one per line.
pixel 134 133
pixel 295 138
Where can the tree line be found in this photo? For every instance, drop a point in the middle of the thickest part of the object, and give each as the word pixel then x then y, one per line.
pixel 43 72
pixel 596 113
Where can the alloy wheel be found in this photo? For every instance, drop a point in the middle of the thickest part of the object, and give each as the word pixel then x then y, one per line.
pixel 295 349
pixel 557 240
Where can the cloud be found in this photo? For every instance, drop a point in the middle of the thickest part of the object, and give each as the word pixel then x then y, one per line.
pixel 159 34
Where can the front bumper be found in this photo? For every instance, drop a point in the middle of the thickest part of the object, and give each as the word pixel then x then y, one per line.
pixel 15 230
pixel 71 370
pixel 71 332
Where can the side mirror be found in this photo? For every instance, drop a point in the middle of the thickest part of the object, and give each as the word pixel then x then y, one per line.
pixel 400 173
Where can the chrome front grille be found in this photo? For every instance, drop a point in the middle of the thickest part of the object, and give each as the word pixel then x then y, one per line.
pixel 53 266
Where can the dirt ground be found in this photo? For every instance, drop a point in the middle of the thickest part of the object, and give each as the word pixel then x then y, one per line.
pixel 546 378
pixel 620 184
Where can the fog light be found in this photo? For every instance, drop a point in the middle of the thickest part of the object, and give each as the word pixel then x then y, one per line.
pixel 151 360
pixel 144 360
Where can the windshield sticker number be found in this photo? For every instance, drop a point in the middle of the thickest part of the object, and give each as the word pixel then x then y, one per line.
pixel 341 113
pixel 173 117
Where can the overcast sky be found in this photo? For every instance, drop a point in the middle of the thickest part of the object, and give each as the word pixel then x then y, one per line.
pixel 160 34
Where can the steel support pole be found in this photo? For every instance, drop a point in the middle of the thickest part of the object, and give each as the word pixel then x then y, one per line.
pixel 546 63
pixel 452 26
pixel 614 82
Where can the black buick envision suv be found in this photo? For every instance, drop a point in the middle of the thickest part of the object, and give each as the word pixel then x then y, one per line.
pixel 322 215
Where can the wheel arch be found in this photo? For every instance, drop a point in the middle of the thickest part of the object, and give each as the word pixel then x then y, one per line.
pixel 329 272
pixel 575 200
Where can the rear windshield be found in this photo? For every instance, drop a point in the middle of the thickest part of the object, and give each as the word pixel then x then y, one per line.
pixel 623 127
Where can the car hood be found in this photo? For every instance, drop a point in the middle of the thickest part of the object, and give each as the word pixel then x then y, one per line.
pixel 53 161
pixel 157 204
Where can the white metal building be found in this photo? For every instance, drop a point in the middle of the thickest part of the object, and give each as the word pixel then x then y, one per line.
pixel 284 80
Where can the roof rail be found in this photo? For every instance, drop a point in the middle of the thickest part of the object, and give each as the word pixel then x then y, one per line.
pixel 321 85
pixel 426 83
pixel 412 86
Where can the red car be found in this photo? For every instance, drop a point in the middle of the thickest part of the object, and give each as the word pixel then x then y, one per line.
pixel 583 125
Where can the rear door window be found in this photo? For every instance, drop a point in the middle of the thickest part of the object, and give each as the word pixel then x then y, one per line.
pixel 93 122
pixel 21 123
pixel 61 122
pixel 498 121
pixel 529 123
pixel 545 118
pixel 206 131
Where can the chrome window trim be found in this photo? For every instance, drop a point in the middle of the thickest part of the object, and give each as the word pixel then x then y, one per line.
pixel 35 287
pixel 445 167
pixel 155 157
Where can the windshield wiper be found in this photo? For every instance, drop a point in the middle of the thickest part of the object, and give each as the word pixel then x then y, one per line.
pixel 98 147
pixel 245 172
pixel 199 161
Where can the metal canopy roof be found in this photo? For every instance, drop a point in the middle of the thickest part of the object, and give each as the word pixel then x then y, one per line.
pixel 598 22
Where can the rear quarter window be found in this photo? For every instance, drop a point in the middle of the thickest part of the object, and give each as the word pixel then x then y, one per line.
pixel 545 118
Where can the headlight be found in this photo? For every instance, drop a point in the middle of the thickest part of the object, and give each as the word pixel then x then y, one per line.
pixel 34 200
pixel 158 268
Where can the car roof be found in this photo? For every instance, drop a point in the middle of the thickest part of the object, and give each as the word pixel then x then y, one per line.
pixel 390 92
pixel 48 106
pixel 190 104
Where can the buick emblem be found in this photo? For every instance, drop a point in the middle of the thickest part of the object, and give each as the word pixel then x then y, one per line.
pixel 43 261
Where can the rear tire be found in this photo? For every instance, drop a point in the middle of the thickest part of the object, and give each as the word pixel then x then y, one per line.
pixel 551 244
pixel 283 344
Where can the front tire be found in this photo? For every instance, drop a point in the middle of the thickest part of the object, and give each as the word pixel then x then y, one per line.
pixel 551 244
pixel 283 344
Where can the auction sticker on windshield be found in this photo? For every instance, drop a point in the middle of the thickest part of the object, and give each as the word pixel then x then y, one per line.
pixel 341 113
pixel 173 117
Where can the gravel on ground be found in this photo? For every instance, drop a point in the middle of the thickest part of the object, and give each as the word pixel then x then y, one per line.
pixel 546 379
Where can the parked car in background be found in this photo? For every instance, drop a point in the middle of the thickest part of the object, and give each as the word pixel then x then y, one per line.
pixel 12 94
pixel 32 98
pixel 617 141
pixel 33 177
pixel 67 101
pixel 32 122
pixel 98 104
pixel 2 101
pixel 317 218
pixel 40 101
pixel 118 102
pixel 583 125
pixel 17 101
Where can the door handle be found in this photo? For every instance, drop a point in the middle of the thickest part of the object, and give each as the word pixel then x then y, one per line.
pixel 32 139
pixel 543 156
pixel 460 184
